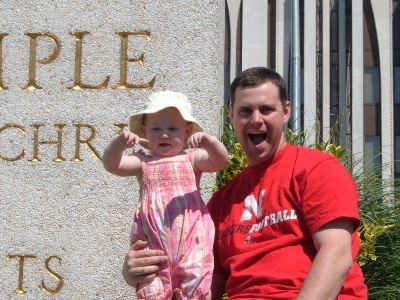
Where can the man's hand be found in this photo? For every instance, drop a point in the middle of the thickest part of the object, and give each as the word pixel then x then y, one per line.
pixel 141 265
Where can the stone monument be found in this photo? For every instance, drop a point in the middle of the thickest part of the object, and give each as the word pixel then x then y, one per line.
pixel 71 73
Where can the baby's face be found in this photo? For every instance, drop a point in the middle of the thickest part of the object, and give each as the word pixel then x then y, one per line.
pixel 166 132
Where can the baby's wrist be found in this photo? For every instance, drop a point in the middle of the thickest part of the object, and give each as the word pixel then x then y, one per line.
pixel 211 141
pixel 120 145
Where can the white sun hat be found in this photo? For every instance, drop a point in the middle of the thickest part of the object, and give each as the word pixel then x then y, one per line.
pixel 162 100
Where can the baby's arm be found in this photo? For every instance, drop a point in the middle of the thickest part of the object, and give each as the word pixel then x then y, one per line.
pixel 115 161
pixel 214 156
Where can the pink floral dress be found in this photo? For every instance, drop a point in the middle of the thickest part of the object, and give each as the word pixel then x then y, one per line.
pixel 172 217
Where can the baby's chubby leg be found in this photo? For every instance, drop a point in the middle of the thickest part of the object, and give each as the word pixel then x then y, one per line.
pixel 155 289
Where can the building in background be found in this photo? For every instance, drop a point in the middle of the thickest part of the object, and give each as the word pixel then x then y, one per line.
pixel 350 68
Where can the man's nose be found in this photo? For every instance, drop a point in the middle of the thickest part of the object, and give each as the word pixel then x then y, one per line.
pixel 256 117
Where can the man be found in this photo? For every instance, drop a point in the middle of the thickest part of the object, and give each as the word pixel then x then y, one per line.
pixel 287 225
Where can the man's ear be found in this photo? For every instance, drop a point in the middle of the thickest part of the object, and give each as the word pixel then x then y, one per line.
pixel 286 112
pixel 230 112
pixel 189 129
pixel 143 129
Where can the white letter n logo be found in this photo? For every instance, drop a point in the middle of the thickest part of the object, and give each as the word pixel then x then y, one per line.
pixel 252 208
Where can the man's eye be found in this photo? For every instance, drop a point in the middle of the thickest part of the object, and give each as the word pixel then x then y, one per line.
pixel 266 110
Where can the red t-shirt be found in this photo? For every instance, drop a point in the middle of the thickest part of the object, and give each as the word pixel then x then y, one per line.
pixel 265 219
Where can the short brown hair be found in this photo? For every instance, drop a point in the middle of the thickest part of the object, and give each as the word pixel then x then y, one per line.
pixel 257 76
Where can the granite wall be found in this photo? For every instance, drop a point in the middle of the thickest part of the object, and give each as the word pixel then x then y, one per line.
pixel 71 73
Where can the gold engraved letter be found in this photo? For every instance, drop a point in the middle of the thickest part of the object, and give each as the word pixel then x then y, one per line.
pixel 36 142
pixel 55 275
pixel 120 127
pixel 32 57
pixel 2 87
pixel 22 154
pixel 123 84
pixel 78 65
pixel 21 259
pixel 78 141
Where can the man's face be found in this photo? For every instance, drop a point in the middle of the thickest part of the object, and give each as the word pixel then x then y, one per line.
pixel 258 117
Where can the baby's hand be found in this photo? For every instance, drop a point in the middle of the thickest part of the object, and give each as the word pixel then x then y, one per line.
pixel 199 140
pixel 127 139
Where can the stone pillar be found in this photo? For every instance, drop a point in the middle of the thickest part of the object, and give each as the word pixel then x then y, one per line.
pixel 357 105
pixel 310 70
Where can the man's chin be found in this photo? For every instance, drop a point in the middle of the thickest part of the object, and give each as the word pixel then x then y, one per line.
pixel 257 153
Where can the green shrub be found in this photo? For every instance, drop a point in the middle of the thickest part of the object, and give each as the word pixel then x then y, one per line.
pixel 237 159
pixel 379 254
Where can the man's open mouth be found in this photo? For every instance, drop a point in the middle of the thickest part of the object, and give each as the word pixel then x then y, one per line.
pixel 257 138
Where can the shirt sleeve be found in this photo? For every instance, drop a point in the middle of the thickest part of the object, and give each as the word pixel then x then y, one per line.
pixel 329 193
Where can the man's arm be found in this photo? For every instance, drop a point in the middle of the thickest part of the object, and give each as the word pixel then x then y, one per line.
pixel 332 262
